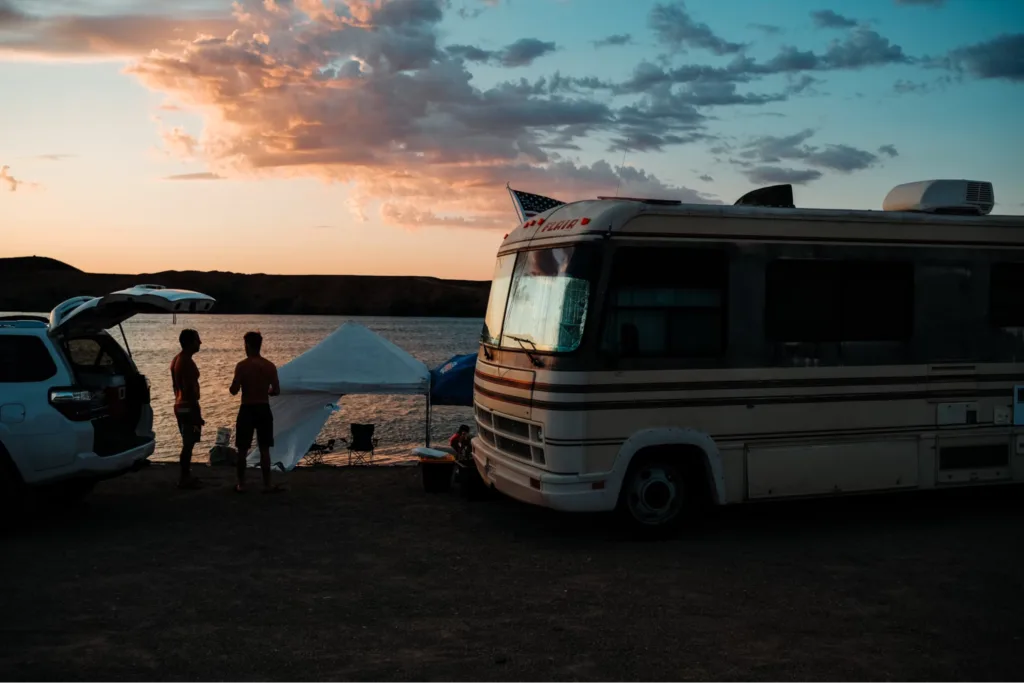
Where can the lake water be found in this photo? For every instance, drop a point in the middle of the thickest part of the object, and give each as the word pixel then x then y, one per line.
pixel 400 420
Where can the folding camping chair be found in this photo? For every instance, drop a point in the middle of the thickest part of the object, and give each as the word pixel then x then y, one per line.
pixel 361 445
pixel 315 454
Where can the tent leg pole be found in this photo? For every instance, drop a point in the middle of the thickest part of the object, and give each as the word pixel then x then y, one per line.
pixel 427 440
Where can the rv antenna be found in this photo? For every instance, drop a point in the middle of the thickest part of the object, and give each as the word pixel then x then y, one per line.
pixel 622 164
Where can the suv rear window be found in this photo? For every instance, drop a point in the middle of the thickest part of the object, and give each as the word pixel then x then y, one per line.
pixel 25 359
pixel 87 352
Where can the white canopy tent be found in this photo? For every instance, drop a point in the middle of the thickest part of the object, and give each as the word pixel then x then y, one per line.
pixel 350 360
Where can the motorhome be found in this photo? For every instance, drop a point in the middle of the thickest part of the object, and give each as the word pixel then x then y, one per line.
pixel 648 356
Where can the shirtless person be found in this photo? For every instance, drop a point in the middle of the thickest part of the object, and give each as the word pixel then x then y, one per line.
pixel 185 381
pixel 256 378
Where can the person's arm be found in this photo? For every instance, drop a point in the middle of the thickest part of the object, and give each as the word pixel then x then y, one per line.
pixel 236 383
pixel 275 384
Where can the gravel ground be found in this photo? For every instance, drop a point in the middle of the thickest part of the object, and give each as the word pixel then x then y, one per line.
pixel 358 574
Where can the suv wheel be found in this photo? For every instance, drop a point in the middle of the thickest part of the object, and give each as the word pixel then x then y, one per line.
pixel 12 489
pixel 72 491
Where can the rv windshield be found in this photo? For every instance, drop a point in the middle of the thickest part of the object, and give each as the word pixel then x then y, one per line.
pixel 498 300
pixel 548 294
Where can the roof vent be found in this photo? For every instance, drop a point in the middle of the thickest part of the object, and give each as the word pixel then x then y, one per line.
pixel 780 196
pixel 958 197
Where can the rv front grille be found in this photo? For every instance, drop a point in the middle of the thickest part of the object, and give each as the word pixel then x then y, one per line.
pixel 509 435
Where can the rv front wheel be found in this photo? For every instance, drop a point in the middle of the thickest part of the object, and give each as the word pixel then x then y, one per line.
pixel 654 493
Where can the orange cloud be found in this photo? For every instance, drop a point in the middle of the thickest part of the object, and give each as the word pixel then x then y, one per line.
pixel 10 181
pixel 361 92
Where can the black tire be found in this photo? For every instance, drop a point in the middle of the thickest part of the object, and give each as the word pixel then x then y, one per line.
pixel 471 485
pixel 75 490
pixel 12 488
pixel 65 493
pixel 662 492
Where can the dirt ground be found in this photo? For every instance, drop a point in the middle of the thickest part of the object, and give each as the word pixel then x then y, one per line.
pixel 359 574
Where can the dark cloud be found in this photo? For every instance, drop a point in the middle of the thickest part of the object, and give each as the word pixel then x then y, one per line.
pixel 999 58
pixel 826 18
pixel 767 29
pixel 904 87
pixel 11 15
pixel 863 47
pixel 73 35
pixel 768 150
pixel 614 40
pixel 659 119
pixel 523 52
pixel 707 179
pixel 194 176
pixel 467 12
pixel 775 175
pixel 471 53
pixel 676 29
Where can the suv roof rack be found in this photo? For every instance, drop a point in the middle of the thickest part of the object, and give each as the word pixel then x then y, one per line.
pixel 24 318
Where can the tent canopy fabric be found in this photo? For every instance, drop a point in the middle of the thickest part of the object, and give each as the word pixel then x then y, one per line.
pixel 350 360
pixel 451 383
pixel 354 360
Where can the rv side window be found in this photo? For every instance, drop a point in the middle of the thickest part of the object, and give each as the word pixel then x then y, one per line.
pixel 666 302
pixel 1006 295
pixel 839 301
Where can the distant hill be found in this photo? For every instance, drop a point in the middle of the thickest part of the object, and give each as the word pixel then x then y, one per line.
pixel 38 284
pixel 34 264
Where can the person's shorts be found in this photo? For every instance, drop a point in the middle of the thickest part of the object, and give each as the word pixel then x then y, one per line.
pixel 254 419
pixel 190 430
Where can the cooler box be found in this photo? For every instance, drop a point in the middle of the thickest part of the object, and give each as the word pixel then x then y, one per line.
pixel 436 468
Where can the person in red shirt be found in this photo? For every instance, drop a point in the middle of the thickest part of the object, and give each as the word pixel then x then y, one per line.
pixel 256 378
pixel 460 441
pixel 185 381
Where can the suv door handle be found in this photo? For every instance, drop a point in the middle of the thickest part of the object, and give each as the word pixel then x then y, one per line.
pixel 12 413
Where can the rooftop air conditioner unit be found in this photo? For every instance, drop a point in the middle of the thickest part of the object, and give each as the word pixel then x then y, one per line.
pixel 962 197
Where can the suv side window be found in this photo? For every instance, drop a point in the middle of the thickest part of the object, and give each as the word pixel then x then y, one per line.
pixel 24 358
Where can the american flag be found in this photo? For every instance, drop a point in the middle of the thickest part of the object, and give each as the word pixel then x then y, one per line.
pixel 532 204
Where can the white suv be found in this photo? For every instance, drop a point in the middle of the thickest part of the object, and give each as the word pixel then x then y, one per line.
pixel 73 406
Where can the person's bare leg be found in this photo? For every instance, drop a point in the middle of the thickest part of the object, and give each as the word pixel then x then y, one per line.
pixel 265 466
pixel 185 463
pixel 240 469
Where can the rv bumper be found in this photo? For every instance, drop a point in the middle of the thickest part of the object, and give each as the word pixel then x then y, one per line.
pixel 528 484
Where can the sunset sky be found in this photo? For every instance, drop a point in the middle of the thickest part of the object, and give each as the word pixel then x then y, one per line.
pixel 376 136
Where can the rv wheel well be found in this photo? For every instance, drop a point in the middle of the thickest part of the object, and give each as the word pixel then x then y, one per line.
pixel 694 462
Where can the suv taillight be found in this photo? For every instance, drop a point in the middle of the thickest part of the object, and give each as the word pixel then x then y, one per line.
pixel 74 403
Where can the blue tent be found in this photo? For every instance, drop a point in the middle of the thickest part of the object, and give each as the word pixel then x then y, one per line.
pixel 451 383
